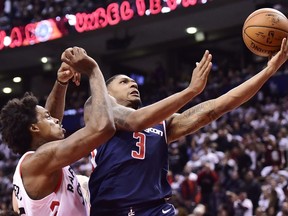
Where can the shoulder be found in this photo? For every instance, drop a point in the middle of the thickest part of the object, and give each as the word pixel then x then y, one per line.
pixel 24 161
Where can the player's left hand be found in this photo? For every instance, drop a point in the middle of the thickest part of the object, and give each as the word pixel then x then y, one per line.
pixel 281 56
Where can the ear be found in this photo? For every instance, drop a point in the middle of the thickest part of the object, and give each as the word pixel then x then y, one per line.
pixel 34 128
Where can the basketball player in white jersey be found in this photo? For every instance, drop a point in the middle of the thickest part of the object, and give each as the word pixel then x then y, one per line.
pixel 44 184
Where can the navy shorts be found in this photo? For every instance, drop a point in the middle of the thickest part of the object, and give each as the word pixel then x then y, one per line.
pixel 163 209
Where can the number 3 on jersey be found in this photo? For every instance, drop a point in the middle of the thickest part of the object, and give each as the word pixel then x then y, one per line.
pixel 141 144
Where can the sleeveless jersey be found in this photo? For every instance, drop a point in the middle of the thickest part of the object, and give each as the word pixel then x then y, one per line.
pixel 66 200
pixel 130 169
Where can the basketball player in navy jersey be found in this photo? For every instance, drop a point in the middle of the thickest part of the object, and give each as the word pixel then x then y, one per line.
pixel 130 170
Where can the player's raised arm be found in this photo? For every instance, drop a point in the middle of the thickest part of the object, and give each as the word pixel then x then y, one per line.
pixel 50 156
pixel 30 130
pixel 55 102
pixel 140 119
pixel 206 112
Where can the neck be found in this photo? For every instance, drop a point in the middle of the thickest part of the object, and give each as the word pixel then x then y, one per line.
pixel 133 105
pixel 36 143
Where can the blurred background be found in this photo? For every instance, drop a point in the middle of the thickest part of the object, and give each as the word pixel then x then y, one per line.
pixel 240 158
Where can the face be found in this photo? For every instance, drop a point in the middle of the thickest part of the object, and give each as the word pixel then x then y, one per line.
pixel 47 127
pixel 125 91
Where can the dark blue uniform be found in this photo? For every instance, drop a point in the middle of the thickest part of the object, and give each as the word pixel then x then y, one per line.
pixel 130 177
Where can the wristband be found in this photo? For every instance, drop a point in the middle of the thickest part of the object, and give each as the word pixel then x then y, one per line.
pixel 62 83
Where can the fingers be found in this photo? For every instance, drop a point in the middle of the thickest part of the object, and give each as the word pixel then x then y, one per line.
pixel 207 57
pixel 67 55
pixel 70 53
pixel 77 78
pixel 204 58
pixel 205 64
pixel 284 45
pixel 65 72
pixel 74 60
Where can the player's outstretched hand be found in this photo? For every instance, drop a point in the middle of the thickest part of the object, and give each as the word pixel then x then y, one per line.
pixel 65 73
pixel 200 73
pixel 78 60
pixel 281 56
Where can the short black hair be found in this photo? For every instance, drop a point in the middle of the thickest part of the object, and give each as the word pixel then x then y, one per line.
pixel 15 119
pixel 111 79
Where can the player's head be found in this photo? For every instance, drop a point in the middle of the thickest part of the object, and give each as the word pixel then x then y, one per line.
pixel 25 125
pixel 124 90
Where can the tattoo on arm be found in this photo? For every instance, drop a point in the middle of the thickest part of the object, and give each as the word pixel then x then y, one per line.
pixel 120 118
pixel 201 114
pixel 191 120
pixel 203 108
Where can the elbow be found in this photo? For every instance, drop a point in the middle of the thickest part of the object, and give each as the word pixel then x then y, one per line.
pixel 108 128
pixel 105 126
pixel 107 131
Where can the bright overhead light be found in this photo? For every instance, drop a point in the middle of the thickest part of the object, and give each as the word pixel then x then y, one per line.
pixel 7 90
pixel 165 10
pixel 7 41
pixel 199 36
pixel 71 19
pixel 17 79
pixel 191 30
pixel 44 60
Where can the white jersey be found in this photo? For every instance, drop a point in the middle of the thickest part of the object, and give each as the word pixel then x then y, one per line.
pixel 67 199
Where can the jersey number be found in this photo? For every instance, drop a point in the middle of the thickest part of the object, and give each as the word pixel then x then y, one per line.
pixel 141 144
pixel 54 207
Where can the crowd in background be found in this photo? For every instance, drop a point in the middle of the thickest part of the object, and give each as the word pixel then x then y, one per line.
pixel 235 166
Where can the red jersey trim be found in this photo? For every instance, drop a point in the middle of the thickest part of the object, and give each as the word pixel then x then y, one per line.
pixel 59 182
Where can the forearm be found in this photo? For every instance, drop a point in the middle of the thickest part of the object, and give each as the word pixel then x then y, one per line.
pixel 191 120
pixel 202 114
pixel 55 102
pixel 242 93
pixel 248 89
pixel 138 120
pixel 101 114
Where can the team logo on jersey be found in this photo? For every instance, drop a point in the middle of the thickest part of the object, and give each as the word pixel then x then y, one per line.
pixel 16 189
pixel 154 130
pixel 70 186
pixel 131 212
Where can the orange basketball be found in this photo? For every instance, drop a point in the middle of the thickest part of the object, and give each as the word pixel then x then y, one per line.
pixel 264 30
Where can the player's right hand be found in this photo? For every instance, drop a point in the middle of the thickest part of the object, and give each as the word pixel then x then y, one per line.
pixel 65 73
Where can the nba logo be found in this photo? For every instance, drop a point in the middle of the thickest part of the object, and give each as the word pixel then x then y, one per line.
pixel 131 213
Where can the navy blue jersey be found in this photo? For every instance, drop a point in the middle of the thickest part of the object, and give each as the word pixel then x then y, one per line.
pixel 131 169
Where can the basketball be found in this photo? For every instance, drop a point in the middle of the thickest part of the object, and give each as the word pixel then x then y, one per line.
pixel 263 31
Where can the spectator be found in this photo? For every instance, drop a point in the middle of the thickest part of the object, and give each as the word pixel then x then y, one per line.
pixel 242 205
